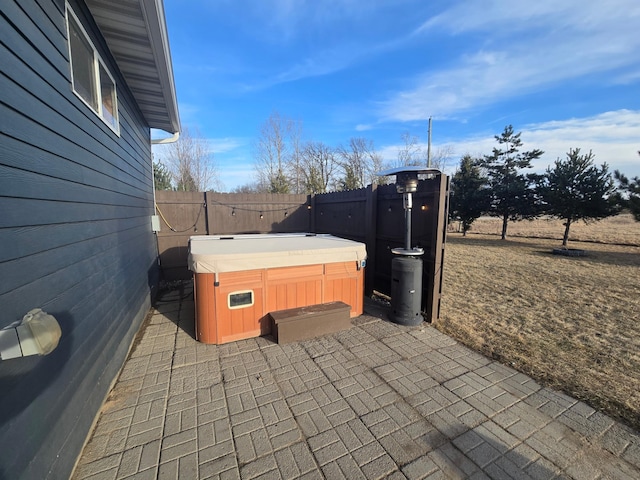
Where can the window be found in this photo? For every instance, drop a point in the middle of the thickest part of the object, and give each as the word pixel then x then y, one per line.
pixel 90 79
pixel 240 299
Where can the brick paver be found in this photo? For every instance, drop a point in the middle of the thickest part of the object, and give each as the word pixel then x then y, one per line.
pixel 377 401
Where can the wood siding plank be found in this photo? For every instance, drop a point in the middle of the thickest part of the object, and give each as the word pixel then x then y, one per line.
pixel 25 212
pixel 33 159
pixel 19 183
pixel 20 242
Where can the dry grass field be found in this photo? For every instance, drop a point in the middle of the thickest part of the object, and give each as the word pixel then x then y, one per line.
pixel 621 229
pixel 573 323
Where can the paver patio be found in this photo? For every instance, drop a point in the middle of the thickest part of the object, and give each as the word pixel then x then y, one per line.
pixel 376 401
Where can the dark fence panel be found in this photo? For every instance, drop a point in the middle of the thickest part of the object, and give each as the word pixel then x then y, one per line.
pixel 236 213
pixel 182 214
pixel 342 214
pixel 352 215
pixel 372 215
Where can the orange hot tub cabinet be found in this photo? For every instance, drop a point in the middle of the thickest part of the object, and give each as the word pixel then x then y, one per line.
pixel 239 280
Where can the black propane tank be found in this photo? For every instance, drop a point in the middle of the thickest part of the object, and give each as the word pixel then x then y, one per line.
pixel 406 290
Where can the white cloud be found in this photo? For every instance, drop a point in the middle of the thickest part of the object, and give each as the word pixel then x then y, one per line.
pixel 235 173
pixel 314 39
pixel 525 47
pixel 496 16
pixel 291 18
pixel 628 78
pixel 227 144
pixel 329 60
pixel 233 161
pixel 321 63
pixel 613 137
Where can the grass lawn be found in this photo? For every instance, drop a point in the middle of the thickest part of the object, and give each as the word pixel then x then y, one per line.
pixel 573 323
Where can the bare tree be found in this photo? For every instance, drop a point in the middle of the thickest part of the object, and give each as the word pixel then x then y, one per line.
pixel 272 154
pixel 294 137
pixel 190 162
pixel 318 164
pixel 410 154
pixel 359 163
pixel 248 188
pixel 414 153
pixel 441 156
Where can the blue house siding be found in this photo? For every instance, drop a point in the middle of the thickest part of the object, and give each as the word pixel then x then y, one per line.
pixel 75 237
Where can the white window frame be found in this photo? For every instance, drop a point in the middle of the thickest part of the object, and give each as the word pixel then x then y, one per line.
pixel 243 305
pixel 97 63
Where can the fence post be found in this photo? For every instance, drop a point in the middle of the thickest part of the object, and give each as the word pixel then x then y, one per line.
pixel 311 201
pixel 371 220
pixel 206 211
pixel 432 283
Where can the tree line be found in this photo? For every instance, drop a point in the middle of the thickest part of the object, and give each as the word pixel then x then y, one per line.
pixel 572 189
pixel 284 162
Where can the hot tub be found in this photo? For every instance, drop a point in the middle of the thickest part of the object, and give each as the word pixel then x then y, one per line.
pixel 240 279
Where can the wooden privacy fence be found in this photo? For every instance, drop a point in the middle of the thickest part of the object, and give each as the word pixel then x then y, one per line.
pixel 372 215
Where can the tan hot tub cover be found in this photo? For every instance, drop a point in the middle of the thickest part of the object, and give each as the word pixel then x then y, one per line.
pixel 233 253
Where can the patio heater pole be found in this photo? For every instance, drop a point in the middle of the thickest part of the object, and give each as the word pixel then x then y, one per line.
pixel 408 204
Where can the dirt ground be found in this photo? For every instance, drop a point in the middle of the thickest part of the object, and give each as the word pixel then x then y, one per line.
pixel 573 323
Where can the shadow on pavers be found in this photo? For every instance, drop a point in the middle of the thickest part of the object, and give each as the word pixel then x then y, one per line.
pixel 175 302
pixel 475 449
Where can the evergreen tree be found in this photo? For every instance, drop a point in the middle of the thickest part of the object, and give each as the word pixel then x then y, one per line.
pixel 575 189
pixel 161 176
pixel 470 195
pixel 186 183
pixel 279 183
pixel 632 188
pixel 350 181
pixel 513 195
pixel 313 181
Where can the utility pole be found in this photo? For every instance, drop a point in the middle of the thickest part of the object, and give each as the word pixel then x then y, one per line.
pixel 429 146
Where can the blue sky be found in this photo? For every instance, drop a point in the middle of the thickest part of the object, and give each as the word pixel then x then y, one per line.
pixel 564 73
